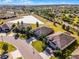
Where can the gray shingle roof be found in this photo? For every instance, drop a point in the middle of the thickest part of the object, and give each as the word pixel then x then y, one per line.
pixel 62 40
pixel 75 57
pixel 5 26
pixel 43 31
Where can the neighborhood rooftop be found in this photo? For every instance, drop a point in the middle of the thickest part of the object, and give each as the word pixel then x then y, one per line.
pixel 62 40
pixel 43 31
pixel 75 54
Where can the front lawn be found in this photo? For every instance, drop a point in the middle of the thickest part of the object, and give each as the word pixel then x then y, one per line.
pixel 10 46
pixel 52 57
pixel 19 58
pixel 39 45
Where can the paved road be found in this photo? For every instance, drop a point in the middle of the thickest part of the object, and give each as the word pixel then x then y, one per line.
pixel 26 50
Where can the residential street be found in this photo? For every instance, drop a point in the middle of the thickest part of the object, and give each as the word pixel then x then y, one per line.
pixel 27 51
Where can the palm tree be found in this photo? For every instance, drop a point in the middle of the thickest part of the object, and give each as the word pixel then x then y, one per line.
pixel 13 25
pixel 63 26
pixel 37 24
pixel 22 23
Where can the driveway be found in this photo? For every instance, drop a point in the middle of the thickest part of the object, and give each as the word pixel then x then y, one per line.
pixel 27 51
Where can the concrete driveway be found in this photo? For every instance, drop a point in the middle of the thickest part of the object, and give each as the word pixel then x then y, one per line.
pixel 27 51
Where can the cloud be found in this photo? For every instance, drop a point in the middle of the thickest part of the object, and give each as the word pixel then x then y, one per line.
pixel 16 2
pixel 23 2
pixel 37 2
pixel 42 3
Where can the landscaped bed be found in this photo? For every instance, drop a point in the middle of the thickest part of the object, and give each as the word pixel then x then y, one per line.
pixel 39 45
pixel 10 46
pixel 23 36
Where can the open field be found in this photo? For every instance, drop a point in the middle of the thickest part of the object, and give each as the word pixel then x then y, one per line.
pixel 28 20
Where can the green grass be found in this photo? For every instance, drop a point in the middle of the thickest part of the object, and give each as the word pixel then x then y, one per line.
pixel 23 36
pixel 10 46
pixel 52 57
pixel 1 21
pixel 19 58
pixel 39 46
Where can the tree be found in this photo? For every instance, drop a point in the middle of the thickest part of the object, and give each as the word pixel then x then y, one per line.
pixel 18 23
pixel 22 23
pixel 37 24
pixel 5 47
pixel 42 37
pixel 28 31
pixel 58 52
pixel 22 30
pixel 68 28
pixel 63 26
pixel 55 24
pixel 16 29
pixel 78 33
pixel 13 25
pixel 16 36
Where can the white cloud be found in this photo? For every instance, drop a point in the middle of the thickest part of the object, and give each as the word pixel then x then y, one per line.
pixel 6 1
pixel 17 2
pixel 31 2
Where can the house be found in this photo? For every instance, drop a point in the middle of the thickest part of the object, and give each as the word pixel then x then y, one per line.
pixel 75 57
pixel 43 31
pixel 4 28
pixel 59 40
pixel 75 54
pixel 7 15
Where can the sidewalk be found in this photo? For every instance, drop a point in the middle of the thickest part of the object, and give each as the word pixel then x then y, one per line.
pixel 16 54
pixel 10 56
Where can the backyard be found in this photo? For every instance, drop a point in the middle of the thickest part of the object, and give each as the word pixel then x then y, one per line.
pixel 52 57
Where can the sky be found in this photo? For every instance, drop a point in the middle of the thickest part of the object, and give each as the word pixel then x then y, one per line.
pixel 37 2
